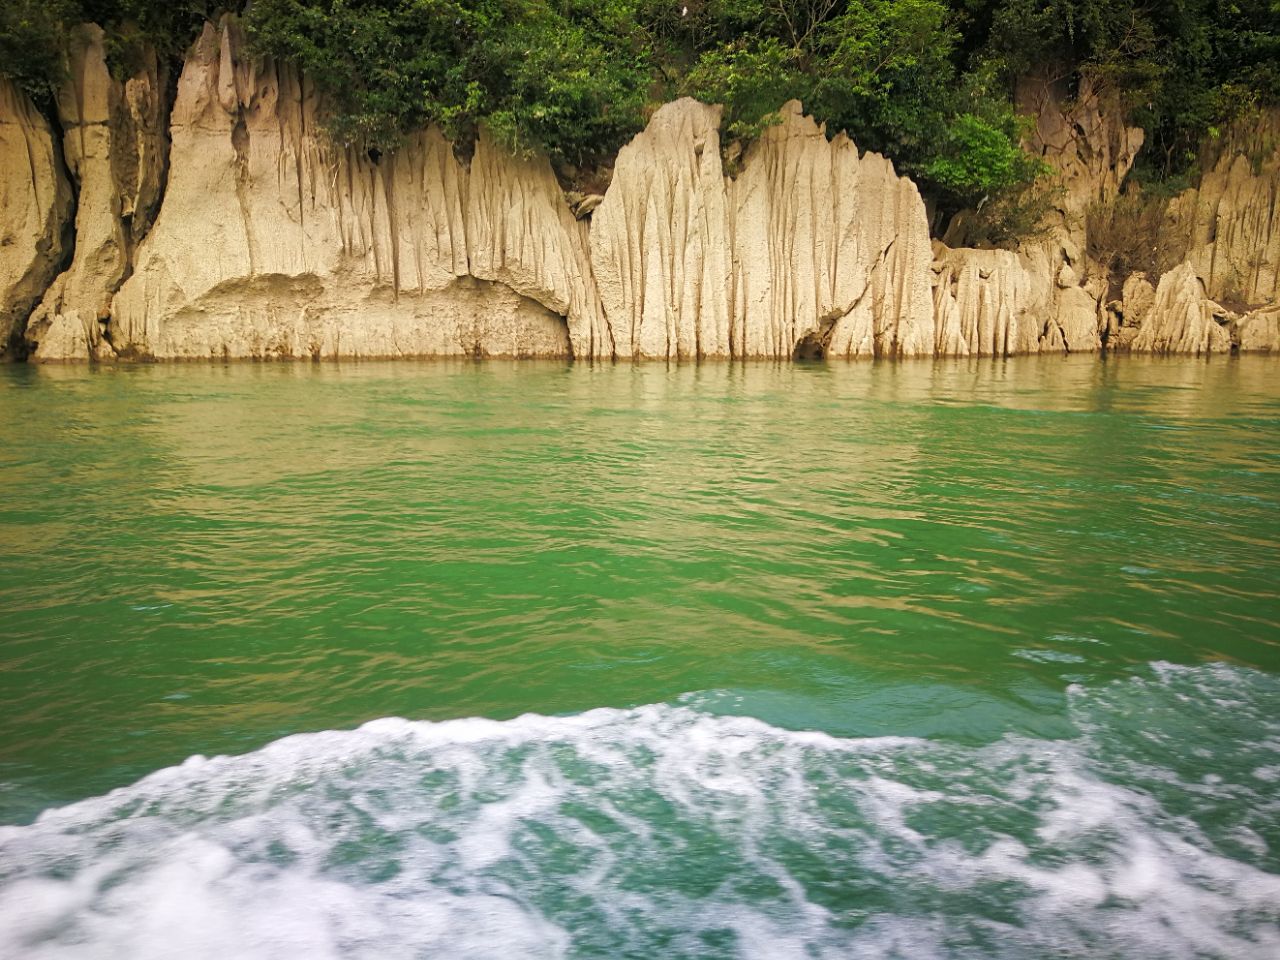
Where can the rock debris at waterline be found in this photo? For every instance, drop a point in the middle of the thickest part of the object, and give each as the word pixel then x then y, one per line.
pixel 269 242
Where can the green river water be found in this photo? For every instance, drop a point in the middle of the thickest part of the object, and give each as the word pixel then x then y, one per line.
pixel 962 659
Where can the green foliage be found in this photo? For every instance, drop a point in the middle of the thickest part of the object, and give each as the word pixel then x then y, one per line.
pixel 33 35
pixel 926 82
pixel 976 157
pixel 1181 67
pixel 562 77
pixel 567 87
pixel 885 71
pixel 751 79
pixel 134 26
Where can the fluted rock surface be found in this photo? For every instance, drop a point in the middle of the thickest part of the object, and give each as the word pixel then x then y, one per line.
pixel 986 303
pixel 1182 318
pixel 1228 230
pixel 661 240
pixel 271 242
pixel 35 204
pixel 828 241
pixel 1090 148
pixel 1231 221
pixel 1051 282
pixel 114 145
pixel 810 242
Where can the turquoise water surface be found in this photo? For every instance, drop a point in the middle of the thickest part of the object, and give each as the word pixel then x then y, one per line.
pixel 955 659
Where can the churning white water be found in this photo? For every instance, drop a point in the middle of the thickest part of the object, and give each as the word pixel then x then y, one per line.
pixel 666 831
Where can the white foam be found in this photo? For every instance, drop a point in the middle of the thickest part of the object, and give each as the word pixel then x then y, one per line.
pixel 655 831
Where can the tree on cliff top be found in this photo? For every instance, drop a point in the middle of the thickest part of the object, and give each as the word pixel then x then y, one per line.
pixel 1180 68
pixel 570 78
pixel 33 35
pixel 926 82
pixel 576 78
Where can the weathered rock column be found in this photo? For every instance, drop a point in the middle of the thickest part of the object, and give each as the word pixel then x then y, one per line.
pixel 114 142
pixel 35 205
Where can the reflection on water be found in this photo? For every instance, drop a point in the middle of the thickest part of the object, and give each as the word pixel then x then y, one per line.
pixel 198 559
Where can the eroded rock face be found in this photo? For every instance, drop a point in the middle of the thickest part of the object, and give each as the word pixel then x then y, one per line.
pixel 1229 230
pixel 1050 283
pixel 661 242
pixel 114 145
pixel 691 264
pixel 35 205
pixel 1182 318
pixel 1091 151
pixel 825 240
pixel 273 243
pixel 1089 146
pixel 1231 222
pixel 986 303
pixel 1259 330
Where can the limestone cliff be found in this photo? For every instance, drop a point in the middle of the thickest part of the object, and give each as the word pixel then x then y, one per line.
pixel 661 240
pixel 827 243
pixel 1230 223
pixel 114 144
pixel 1182 318
pixel 1259 330
pixel 273 243
pixel 810 243
pixel 1047 296
pixel 225 224
pixel 35 205
pixel 986 303
pixel 1223 295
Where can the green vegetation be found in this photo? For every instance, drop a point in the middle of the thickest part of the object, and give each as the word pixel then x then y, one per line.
pixel 571 78
pixel 33 35
pixel 927 82
pixel 1181 68
pixel 884 70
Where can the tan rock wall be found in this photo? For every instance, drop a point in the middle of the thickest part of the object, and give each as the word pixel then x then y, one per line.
pixel 826 240
pixel 1091 150
pixel 320 251
pixel 1229 229
pixel 272 242
pixel 1182 318
pixel 661 240
pixel 1231 221
pixel 114 143
pixel 809 242
pixel 35 205
pixel 1259 330
pixel 987 303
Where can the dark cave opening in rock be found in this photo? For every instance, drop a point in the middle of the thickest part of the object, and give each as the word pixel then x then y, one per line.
pixel 812 346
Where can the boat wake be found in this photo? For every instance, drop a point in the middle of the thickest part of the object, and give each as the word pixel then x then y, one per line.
pixel 668 831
